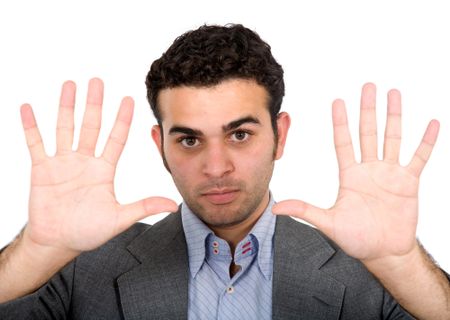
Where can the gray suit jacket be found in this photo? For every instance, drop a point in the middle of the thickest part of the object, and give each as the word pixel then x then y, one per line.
pixel 143 274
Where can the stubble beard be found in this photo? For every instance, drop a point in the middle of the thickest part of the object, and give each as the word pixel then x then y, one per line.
pixel 227 215
pixel 223 215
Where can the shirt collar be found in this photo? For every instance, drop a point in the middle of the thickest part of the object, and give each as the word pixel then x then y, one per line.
pixel 196 233
pixel 263 231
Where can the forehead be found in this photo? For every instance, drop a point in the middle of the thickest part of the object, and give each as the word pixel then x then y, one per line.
pixel 214 106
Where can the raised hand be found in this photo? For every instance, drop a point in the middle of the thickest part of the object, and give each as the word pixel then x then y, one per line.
pixel 72 202
pixel 376 211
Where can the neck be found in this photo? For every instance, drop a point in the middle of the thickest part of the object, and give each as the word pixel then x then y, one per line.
pixel 235 233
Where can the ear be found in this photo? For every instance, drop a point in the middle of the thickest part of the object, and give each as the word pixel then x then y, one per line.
pixel 156 136
pixel 283 124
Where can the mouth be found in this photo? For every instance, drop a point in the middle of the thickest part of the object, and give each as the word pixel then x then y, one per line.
pixel 221 196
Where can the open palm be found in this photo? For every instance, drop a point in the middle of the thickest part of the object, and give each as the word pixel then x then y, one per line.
pixel 376 211
pixel 72 201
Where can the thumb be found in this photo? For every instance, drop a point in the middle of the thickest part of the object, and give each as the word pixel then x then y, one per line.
pixel 133 212
pixel 302 210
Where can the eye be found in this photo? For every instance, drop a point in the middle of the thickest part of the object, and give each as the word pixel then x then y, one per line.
pixel 189 142
pixel 239 136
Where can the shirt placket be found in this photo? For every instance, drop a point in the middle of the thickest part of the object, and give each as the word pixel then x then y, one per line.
pixel 244 256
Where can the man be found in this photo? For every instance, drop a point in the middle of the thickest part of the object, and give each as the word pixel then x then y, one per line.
pixel 216 94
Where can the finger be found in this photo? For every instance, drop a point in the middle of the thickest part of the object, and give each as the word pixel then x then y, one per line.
pixel 393 132
pixel 65 126
pixel 131 213
pixel 32 135
pixel 119 133
pixel 342 139
pixel 425 148
pixel 368 124
pixel 90 127
pixel 302 210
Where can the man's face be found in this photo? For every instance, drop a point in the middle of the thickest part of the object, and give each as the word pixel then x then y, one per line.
pixel 219 147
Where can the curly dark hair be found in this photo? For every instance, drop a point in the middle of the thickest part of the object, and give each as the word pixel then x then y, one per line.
pixel 211 54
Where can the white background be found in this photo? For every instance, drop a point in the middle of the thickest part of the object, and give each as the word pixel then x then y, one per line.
pixel 328 49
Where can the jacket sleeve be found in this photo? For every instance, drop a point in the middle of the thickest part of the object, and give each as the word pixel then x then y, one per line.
pixel 51 301
pixel 392 309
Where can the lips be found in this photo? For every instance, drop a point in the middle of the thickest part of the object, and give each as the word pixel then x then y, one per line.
pixel 221 196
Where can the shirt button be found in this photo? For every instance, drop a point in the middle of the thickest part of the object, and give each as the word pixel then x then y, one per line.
pixel 216 251
pixel 215 244
pixel 230 289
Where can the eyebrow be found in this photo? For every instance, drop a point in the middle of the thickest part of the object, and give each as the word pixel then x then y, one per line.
pixel 230 126
pixel 185 130
pixel 237 123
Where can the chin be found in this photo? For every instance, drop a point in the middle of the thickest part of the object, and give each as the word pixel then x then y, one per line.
pixel 223 218
pixel 223 223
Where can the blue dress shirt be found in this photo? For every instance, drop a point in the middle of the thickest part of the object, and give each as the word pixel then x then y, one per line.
pixel 212 293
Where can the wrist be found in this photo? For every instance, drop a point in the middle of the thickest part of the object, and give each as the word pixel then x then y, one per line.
pixel 415 282
pixel 26 265
pixel 49 257
pixel 393 265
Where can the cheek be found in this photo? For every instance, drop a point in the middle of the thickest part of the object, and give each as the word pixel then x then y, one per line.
pixel 255 160
pixel 182 167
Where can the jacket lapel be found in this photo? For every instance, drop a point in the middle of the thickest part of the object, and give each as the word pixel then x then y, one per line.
pixel 158 287
pixel 300 288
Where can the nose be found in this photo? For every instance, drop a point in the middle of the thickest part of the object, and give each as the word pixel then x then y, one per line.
pixel 217 162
